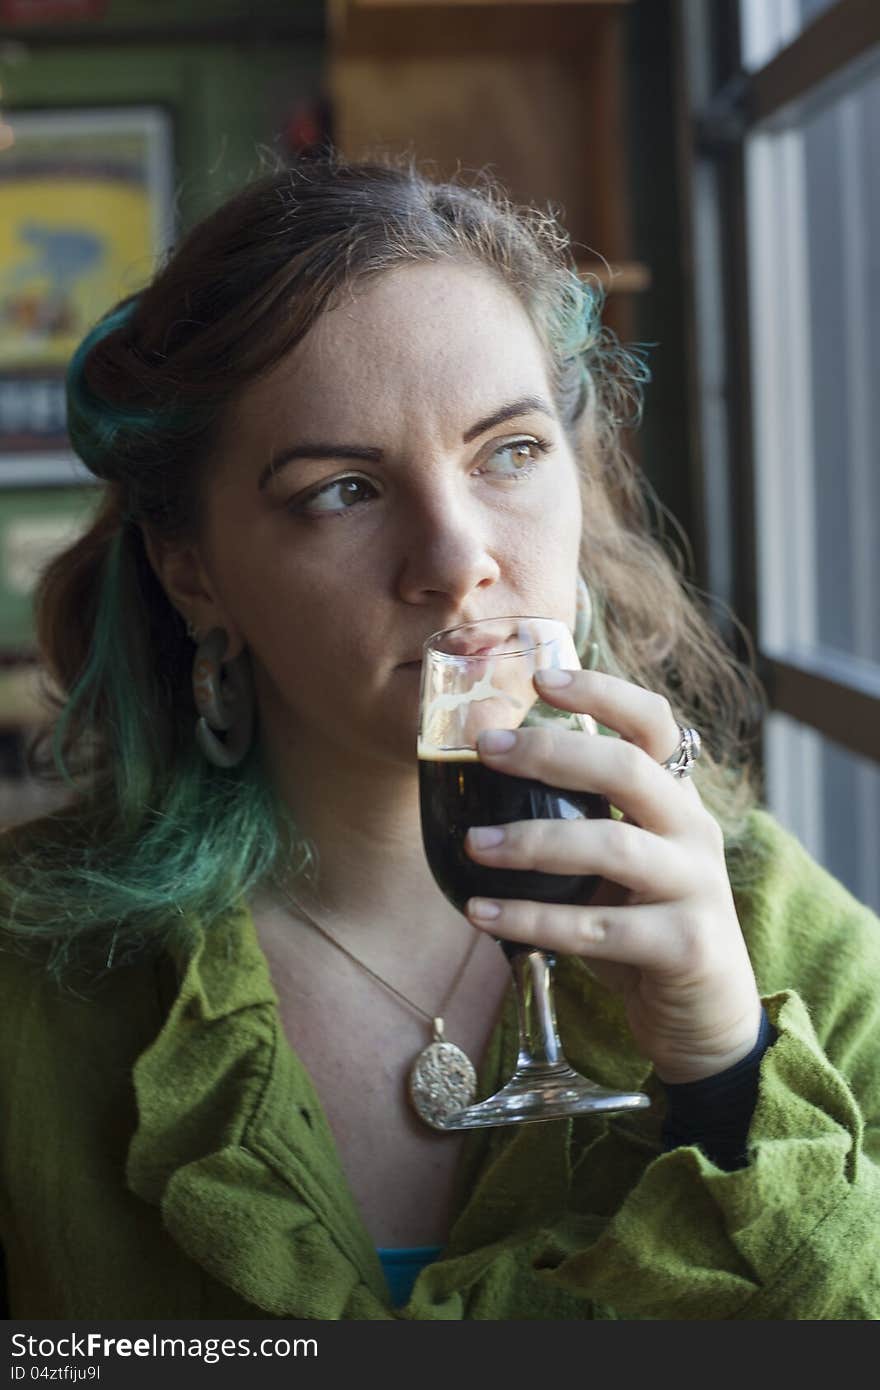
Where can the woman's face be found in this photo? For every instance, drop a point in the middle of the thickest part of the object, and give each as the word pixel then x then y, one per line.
pixel 400 471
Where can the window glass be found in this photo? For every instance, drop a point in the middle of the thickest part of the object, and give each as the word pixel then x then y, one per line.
pixel 813 206
pixel 766 26
pixel 810 8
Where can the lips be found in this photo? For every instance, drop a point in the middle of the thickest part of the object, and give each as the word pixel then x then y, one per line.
pixel 490 641
pixel 475 651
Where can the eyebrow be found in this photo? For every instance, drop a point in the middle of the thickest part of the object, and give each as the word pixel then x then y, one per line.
pixel 526 405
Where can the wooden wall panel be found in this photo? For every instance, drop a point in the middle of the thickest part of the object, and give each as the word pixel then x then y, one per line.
pixel 515 114
pixel 535 92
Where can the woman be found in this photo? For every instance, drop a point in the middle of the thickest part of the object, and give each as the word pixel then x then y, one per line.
pixel 356 407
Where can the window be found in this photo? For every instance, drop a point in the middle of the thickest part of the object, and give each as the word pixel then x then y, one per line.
pixel 785 108
pixel 766 26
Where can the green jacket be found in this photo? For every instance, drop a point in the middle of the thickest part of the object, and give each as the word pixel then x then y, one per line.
pixel 164 1154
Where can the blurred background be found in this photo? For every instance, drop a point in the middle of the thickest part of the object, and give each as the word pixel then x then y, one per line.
pixel 716 163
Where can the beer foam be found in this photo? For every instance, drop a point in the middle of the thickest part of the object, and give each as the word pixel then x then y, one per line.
pixel 429 754
pixel 438 712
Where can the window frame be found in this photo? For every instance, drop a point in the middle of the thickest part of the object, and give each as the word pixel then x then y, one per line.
pixel 834 694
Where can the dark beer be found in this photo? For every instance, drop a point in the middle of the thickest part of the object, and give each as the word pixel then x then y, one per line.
pixel 457 793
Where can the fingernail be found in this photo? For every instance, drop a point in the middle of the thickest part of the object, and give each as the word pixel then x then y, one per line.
pixel 553 677
pixel 483 909
pixel 496 741
pixel 486 836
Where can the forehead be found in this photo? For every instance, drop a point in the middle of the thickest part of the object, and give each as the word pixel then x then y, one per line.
pixel 429 343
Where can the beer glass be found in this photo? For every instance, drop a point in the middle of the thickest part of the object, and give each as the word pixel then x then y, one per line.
pixel 475 677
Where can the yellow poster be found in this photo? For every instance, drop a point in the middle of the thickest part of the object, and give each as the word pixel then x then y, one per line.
pixel 68 249
pixel 85 214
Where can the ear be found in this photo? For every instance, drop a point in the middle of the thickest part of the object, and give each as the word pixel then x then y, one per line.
pixel 181 571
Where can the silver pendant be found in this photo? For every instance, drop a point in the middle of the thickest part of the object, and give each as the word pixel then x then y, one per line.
pixel 442 1080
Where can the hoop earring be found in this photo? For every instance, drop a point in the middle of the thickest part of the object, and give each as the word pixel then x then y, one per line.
pixel 224 697
pixel 587 651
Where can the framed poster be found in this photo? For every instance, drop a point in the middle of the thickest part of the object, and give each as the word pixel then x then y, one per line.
pixel 86 208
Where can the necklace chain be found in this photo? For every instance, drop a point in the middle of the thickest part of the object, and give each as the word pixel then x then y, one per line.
pixel 436 1020
pixel 442 1080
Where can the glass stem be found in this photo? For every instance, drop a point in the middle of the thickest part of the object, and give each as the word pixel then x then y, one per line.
pixel 539 1044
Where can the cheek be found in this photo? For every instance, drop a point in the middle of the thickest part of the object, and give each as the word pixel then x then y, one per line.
pixel 294 627
pixel 279 620
pixel 560 522
pixel 306 668
pixel 571 498
pixel 551 547
pixel 304 630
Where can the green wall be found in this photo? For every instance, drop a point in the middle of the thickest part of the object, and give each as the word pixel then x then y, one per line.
pixel 228 99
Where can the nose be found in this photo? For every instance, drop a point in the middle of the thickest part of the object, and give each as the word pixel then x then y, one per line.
pixel 447 553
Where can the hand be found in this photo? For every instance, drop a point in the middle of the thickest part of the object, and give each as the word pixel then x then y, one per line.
pixel 662 928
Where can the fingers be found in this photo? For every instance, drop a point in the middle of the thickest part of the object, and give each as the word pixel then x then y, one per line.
pixel 622 853
pixel 620 771
pixel 622 935
pixel 640 716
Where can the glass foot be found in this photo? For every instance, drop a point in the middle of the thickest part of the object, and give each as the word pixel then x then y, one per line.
pixel 543 1092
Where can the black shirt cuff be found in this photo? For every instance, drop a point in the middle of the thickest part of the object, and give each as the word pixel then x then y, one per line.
pixel 715 1113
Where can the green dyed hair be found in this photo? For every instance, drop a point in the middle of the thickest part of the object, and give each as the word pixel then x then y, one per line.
pixel 154 842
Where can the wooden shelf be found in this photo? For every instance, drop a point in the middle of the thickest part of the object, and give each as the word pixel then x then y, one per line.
pixel 411 26
pixel 470 4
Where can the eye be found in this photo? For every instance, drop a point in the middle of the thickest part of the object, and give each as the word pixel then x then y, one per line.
pixel 518 458
pixel 338 496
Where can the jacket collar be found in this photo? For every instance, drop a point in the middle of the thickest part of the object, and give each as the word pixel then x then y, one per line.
pixel 234 1147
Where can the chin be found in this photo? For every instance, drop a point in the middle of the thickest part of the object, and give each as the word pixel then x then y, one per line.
pixel 403 739
pixel 390 735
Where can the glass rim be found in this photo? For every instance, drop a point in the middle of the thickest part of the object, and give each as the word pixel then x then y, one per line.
pixel 494 656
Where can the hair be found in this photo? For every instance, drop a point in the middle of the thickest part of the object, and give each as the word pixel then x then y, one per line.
pixel 154 840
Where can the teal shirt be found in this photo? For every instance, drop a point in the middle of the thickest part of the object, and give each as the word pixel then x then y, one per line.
pixel 402 1267
pixel 164 1153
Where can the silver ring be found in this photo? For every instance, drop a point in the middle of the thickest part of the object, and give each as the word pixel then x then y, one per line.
pixel 681 764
